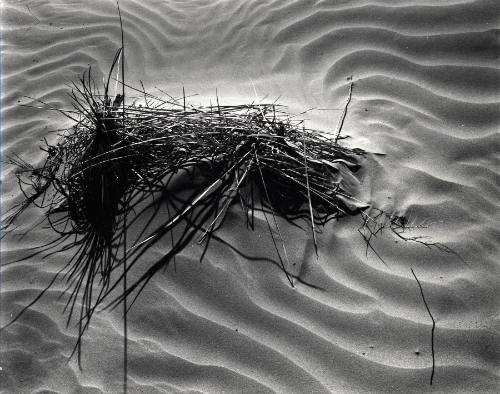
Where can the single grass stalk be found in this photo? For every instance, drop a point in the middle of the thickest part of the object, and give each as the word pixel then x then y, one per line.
pixel 433 325
pixel 340 124
pixel 125 323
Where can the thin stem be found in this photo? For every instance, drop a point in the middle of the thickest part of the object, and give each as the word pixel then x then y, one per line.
pixel 344 113
pixel 125 325
pixel 433 325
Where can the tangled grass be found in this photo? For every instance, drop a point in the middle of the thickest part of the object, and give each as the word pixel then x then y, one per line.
pixel 95 182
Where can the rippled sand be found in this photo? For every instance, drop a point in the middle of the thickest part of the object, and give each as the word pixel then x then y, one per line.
pixel 426 95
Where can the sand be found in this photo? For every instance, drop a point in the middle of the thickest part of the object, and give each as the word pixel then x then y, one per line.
pixel 426 96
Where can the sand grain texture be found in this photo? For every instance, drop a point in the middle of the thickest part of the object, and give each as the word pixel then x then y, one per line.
pixel 426 95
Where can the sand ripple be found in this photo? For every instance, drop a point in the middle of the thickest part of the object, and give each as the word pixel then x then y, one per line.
pixel 426 90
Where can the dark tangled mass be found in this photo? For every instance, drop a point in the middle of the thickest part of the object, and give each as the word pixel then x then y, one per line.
pixel 98 177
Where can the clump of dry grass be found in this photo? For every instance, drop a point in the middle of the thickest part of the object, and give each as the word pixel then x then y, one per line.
pixel 118 154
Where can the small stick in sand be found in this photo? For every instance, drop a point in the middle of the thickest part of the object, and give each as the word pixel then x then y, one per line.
pixel 184 98
pixel 433 324
pixel 344 113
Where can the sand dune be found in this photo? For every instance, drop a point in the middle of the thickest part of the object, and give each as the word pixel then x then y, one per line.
pixel 426 94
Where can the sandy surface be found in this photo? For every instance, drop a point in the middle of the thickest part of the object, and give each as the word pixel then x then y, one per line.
pixel 426 95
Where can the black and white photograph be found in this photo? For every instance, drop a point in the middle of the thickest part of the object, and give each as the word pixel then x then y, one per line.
pixel 250 196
